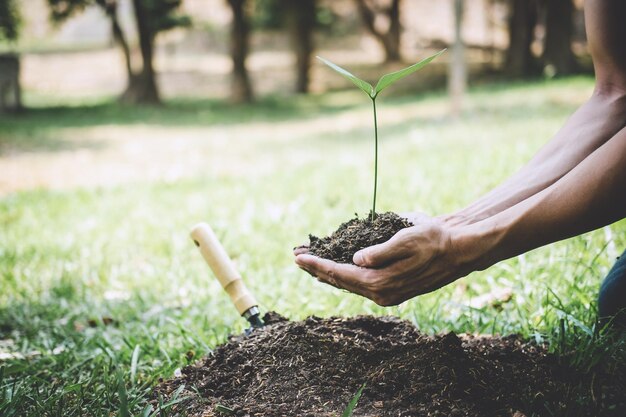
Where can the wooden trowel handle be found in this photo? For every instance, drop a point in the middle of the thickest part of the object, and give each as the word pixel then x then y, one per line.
pixel 223 268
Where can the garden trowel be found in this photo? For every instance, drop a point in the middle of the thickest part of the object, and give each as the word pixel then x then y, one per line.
pixel 222 266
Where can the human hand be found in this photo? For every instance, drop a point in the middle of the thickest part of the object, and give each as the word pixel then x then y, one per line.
pixel 417 260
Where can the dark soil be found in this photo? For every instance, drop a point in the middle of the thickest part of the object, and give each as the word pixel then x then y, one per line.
pixel 355 235
pixel 314 368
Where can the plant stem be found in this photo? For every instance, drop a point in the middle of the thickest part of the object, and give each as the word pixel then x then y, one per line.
pixel 375 160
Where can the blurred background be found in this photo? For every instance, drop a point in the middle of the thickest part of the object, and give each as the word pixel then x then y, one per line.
pixel 153 50
pixel 149 52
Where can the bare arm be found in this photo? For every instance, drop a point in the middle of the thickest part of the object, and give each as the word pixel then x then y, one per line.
pixel 591 195
pixel 588 128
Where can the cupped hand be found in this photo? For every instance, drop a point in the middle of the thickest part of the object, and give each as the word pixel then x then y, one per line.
pixel 417 260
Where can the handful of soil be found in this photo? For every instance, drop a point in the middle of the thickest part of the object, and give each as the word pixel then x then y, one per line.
pixel 314 368
pixel 355 235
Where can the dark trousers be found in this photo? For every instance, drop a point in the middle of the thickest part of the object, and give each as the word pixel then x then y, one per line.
pixel 612 298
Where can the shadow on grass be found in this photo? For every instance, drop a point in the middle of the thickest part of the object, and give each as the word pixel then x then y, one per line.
pixel 36 129
pixel 179 112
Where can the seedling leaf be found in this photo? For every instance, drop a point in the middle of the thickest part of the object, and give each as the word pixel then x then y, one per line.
pixel 363 85
pixel 388 79
pixel 353 402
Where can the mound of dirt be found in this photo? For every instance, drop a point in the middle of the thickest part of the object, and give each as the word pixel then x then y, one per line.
pixel 355 235
pixel 315 367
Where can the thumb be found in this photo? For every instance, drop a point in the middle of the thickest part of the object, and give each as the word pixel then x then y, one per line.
pixel 381 254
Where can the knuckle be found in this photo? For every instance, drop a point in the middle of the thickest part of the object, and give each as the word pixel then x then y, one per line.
pixel 404 240
pixel 330 272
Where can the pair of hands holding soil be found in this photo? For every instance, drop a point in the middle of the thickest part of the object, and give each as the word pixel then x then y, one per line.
pixel 416 260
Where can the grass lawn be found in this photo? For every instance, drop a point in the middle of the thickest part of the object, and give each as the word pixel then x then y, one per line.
pixel 102 293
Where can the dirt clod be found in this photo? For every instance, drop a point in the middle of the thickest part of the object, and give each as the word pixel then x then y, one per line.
pixel 314 367
pixel 355 235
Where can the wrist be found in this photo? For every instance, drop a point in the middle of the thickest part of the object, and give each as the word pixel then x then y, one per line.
pixel 461 218
pixel 454 220
pixel 476 246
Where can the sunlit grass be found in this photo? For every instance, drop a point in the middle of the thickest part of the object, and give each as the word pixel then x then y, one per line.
pixel 72 259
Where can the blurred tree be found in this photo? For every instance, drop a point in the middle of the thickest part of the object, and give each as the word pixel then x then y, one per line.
pixel 151 17
pixel 301 20
pixel 520 61
pixel 372 11
pixel 9 20
pixel 241 89
pixel 457 72
pixel 268 14
pixel 10 91
pixel 558 57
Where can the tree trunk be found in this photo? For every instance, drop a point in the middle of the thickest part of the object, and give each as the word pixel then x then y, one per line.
pixel 110 8
pixel 10 91
pixel 457 73
pixel 520 61
pixel 389 40
pixel 301 23
pixel 558 57
pixel 392 51
pixel 142 88
pixel 241 88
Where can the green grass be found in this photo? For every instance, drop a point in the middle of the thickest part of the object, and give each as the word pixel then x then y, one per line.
pixel 71 261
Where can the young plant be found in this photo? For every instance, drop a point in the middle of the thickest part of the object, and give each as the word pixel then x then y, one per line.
pixel 353 402
pixel 372 92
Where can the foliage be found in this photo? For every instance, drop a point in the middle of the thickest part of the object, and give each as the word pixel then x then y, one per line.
pixel 9 20
pixel 162 13
pixel 384 82
pixel 71 258
pixel 270 14
pixel 60 10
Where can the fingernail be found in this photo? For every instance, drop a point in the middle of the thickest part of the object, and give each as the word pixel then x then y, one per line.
pixel 358 258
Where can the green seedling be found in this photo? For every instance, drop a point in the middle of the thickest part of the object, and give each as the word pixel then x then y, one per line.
pixel 353 402
pixel 372 92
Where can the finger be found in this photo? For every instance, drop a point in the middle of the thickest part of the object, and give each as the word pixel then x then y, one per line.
pixel 345 276
pixel 299 250
pixel 384 253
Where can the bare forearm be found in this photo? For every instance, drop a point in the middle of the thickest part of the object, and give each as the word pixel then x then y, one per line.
pixel 588 129
pixel 589 196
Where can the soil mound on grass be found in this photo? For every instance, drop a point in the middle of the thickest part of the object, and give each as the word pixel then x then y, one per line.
pixel 355 235
pixel 315 367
